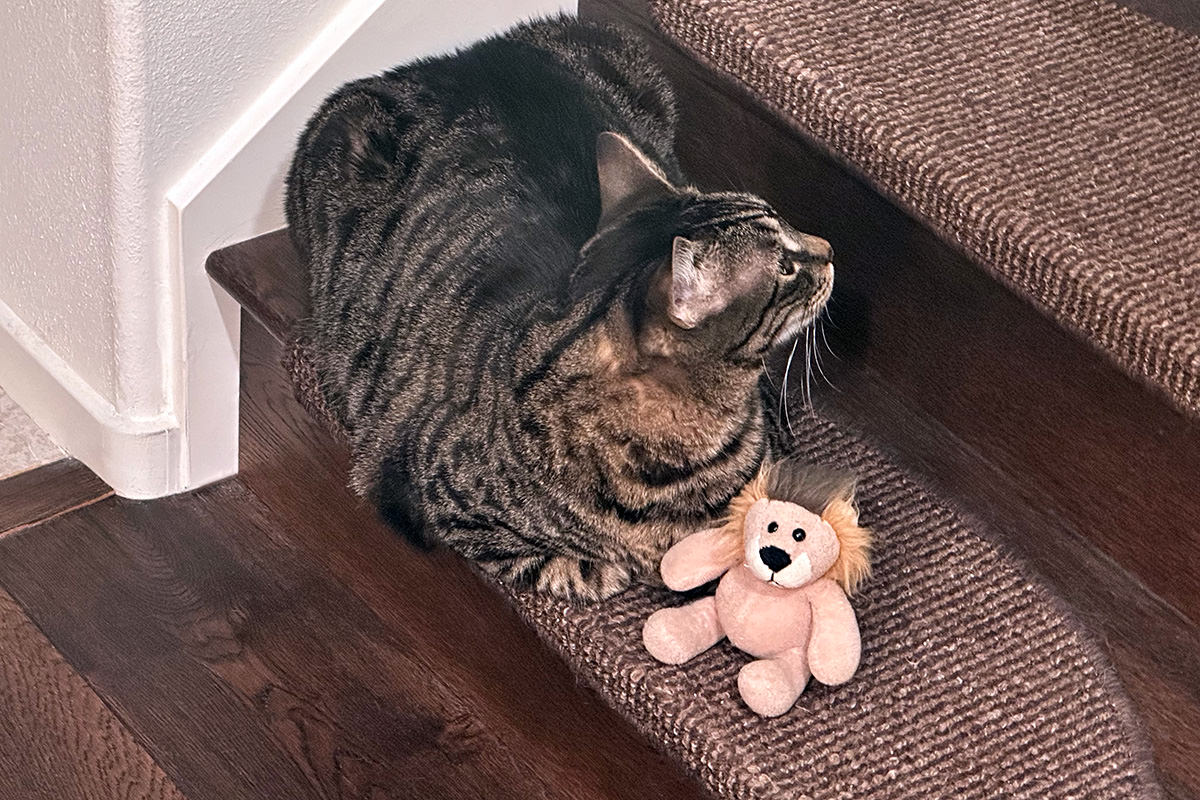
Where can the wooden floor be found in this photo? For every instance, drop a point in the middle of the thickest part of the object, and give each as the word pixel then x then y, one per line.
pixel 267 638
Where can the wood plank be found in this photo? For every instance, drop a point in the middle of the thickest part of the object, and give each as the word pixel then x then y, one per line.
pixel 265 276
pixel 301 650
pixel 250 672
pixel 58 741
pixel 31 496
pixel 156 614
pixel 247 670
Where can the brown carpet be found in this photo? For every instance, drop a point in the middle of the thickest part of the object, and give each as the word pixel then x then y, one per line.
pixel 1056 141
pixel 975 681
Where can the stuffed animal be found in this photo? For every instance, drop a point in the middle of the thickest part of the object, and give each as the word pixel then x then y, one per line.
pixel 790 552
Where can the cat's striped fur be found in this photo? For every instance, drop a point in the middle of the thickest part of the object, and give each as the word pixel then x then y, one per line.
pixel 557 403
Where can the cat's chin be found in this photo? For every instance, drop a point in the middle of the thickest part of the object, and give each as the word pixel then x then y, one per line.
pixel 795 327
pixel 791 331
pixel 804 318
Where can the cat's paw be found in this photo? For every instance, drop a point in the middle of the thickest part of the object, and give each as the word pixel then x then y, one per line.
pixel 581 579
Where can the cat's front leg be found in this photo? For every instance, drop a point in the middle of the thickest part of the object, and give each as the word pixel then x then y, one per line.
pixel 569 577
pixel 574 578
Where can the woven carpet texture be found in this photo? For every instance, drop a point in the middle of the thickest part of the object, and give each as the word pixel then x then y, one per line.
pixel 1056 141
pixel 975 682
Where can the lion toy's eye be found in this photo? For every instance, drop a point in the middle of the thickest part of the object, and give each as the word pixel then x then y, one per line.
pixel 799 534
pixel 772 527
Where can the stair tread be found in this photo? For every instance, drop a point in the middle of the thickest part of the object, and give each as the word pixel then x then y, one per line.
pixel 1055 141
pixel 693 714
pixel 265 276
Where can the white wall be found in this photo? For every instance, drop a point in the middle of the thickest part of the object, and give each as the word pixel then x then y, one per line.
pixel 136 137
pixel 55 176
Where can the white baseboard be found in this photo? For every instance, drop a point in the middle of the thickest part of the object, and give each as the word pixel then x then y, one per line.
pixel 134 456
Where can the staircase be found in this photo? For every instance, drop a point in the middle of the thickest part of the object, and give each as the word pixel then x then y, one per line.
pixel 986 398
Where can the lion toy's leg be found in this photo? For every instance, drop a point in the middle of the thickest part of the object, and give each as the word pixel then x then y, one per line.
pixel 675 635
pixel 771 686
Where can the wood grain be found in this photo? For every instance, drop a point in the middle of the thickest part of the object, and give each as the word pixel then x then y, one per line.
pixel 267 637
pixel 251 672
pixel 263 275
pixel 58 741
pixel 34 495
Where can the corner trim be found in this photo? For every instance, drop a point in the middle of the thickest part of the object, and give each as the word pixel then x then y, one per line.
pixel 134 456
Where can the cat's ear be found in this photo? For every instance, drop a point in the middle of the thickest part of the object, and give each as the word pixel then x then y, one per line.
pixel 695 292
pixel 627 177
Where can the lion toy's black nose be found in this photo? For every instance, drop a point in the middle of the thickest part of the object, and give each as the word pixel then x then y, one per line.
pixel 775 558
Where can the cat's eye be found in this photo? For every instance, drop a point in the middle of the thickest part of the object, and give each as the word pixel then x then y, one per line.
pixel 774 526
pixel 799 534
pixel 787 264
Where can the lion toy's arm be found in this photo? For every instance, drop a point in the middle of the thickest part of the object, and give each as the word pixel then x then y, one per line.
pixel 698 559
pixel 834 648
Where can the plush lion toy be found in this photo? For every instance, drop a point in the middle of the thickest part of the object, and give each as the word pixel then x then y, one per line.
pixel 790 551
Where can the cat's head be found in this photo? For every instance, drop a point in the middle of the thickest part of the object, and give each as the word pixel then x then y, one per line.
pixel 731 280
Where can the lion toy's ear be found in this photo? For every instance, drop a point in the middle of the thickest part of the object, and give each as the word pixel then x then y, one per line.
pixel 853 565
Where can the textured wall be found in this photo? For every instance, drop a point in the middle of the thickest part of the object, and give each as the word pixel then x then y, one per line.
pixel 105 105
pixel 207 60
pixel 55 175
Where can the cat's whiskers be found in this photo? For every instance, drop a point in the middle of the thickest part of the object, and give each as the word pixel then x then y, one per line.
pixel 783 403
pixel 816 351
pixel 808 370
pixel 825 315
pixel 767 372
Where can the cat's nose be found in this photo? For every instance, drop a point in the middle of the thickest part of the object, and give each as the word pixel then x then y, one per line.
pixel 816 249
pixel 775 558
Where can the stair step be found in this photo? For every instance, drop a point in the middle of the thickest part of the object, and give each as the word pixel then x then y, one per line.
pixel 1071 461
pixel 1083 439
pixel 1056 141
pixel 691 712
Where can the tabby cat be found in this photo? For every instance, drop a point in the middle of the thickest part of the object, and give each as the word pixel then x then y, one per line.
pixel 545 346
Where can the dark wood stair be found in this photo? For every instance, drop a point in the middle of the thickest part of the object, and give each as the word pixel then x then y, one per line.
pixel 1155 648
pixel 1081 469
